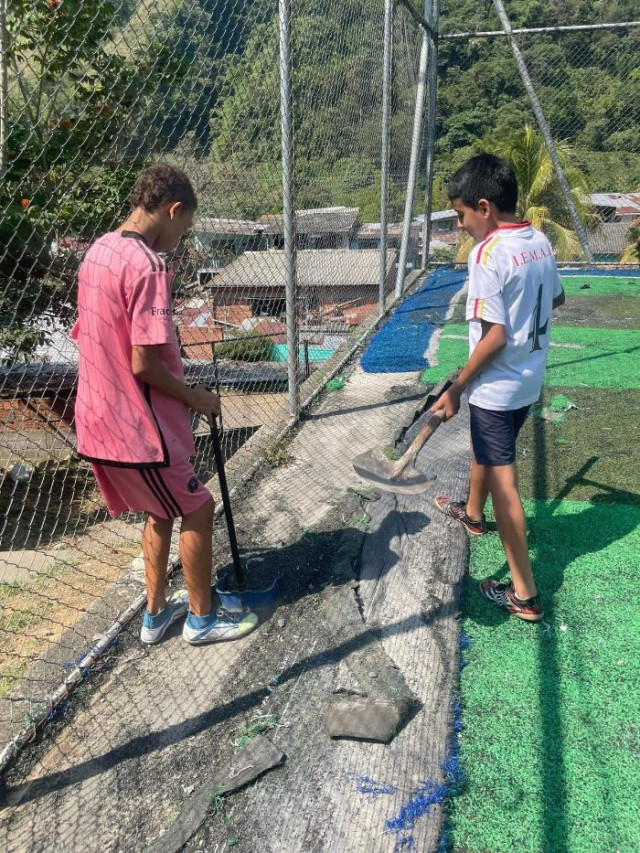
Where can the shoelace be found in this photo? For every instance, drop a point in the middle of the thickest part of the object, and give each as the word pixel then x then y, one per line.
pixel 230 616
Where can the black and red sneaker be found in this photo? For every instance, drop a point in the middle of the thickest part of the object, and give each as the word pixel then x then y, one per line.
pixel 503 595
pixel 458 510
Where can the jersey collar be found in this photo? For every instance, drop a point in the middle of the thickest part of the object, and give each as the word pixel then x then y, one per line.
pixel 134 235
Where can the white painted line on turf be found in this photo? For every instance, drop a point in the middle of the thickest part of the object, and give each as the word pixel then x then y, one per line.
pixel 553 343
pixel 431 352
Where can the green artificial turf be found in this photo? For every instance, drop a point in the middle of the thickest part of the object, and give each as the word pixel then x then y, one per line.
pixel 551 711
pixel 606 299
pixel 600 285
pixel 600 358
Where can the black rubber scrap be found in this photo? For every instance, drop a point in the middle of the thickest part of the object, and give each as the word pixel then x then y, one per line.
pixel 259 756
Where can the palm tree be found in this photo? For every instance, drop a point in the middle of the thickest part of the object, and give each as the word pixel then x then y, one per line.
pixel 631 254
pixel 539 197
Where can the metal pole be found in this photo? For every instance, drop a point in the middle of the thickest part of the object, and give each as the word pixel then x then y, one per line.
pixel 416 140
pixel 386 145
pixel 286 117
pixel 4 85
pixel 545 130
pixel 432 75
pixel 520 30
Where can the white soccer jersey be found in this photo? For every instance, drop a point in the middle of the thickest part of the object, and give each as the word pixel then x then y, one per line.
pixel 513 280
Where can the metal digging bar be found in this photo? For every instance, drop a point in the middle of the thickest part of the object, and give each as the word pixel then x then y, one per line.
pixel 234 596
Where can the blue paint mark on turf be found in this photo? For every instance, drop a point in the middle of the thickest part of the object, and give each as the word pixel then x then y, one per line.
pixel 400 345
pixel 372 789
pixel 430 793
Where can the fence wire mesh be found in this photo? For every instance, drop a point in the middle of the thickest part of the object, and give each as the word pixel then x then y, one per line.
pixel 94 92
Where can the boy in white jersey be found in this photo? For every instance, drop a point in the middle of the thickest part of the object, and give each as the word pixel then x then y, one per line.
pixel 513 287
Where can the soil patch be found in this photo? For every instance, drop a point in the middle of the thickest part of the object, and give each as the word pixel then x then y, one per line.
pixel 621 311
pixel 592 454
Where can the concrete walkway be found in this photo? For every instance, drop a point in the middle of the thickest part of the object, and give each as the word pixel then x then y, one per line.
pixel 123 767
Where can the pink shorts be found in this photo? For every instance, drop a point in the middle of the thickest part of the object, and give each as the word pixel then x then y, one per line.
pixel 165 492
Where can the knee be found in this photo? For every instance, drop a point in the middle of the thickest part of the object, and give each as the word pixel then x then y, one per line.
pixel 203 515
pixel 159 524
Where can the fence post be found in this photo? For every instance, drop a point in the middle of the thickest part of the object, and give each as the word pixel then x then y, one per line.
pixel 4 85
pixel 288 213
pixel 432 78
pixel 387 62
pixel 416 140
pixel 545 130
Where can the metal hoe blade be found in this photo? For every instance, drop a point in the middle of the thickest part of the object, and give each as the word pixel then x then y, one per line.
pixel 374 467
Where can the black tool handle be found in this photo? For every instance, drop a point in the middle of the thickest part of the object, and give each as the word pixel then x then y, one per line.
pixel 226 502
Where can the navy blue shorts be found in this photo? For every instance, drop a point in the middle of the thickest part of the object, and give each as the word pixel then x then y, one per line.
pixel 493 434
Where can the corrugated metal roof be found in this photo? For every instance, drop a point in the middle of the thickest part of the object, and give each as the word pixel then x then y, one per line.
pixel 315 268
pixel 610 238
pixel 320 220
pixel 371 230
pixel 231 227
pixel 625 204
pixel 437 215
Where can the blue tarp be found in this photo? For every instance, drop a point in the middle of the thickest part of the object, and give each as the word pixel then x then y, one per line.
pixel 400 345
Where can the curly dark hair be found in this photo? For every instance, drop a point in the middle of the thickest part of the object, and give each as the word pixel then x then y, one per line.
pixel 160 185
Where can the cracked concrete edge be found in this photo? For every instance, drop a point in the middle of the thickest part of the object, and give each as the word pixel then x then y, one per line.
pixel 383 698
pixel 259 756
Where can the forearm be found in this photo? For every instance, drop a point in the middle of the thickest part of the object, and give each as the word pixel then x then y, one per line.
pixel 154 373
pixel 483 354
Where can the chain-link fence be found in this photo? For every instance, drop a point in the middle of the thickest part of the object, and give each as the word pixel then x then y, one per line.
pixel 92 94
pixel 288 264
pixel 583 73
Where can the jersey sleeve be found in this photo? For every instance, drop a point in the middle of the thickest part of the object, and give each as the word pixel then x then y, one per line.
pixel 557 285
pixel 485 301
pixel 150 309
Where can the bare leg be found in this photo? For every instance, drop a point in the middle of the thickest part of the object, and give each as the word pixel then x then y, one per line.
pixel 512 526
pixel 196 554
pixel 478 490
pixel 156 542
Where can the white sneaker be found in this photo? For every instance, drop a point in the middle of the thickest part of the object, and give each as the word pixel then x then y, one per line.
pixel 218 627
pixel 155 627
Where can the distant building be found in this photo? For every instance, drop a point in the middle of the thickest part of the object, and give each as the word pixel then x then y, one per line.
pixel 608 240
pixel 368 236
pixel 325 278
pixel 616 207
pixel 316 228
pixel 221 241
pixel 617 212
pixel 444 230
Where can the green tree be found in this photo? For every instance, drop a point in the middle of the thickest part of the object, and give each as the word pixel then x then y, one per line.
pixel 539 196
pixel 72 102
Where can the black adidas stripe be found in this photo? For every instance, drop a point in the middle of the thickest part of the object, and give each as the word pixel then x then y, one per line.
pixel 152 258
pixel 155 475
pixel 154 490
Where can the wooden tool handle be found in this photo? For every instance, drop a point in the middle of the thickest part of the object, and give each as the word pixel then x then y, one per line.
pixel 419 441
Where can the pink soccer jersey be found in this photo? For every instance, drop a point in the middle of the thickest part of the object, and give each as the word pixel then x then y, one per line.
pixel 124 300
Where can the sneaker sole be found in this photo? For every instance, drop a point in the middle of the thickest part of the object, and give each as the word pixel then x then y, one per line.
pixel 453 518
pixel 172 622
pixel 208 641
pixel 526 617
pixel 471 532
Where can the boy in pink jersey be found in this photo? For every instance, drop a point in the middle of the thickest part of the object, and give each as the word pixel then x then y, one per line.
pixel 513 287
pixel 132 409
